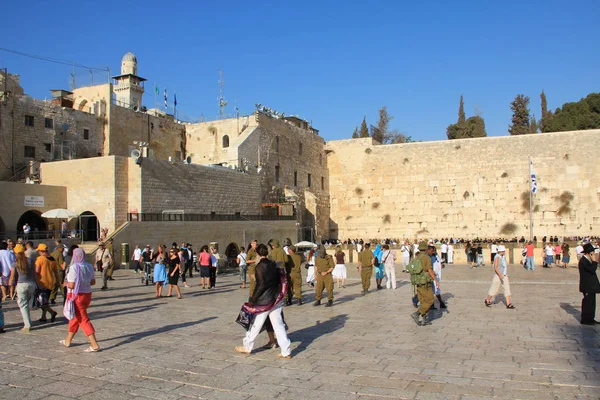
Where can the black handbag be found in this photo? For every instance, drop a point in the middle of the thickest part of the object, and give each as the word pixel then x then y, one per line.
pixel 245 318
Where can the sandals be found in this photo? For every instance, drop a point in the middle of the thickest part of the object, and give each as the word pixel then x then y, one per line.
pixel 510 306
pixel 487 303
pixel 92 350
pixel 64 343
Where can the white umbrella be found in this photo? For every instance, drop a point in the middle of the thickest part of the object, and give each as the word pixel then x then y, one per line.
pixel 305 244
pixel 59 213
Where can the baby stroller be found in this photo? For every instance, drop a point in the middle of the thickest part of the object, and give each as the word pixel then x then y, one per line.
pixel 148 275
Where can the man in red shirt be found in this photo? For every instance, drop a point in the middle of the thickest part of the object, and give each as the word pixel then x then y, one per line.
pixel 529 261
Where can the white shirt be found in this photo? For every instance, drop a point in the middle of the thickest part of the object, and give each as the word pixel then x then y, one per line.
pixel 494 249
pixel 405 249
pixel 26 228
pixel 137 254
pixel 549 250
pixel 86 274
pixel 415 248
pixel 579 249
pixel 388 258
pixel 242 259
pixel 444 248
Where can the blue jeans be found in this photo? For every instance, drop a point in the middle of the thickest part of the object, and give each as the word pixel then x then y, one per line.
pixel 529 263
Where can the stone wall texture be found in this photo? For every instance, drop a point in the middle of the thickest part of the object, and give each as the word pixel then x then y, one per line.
pixel 465 188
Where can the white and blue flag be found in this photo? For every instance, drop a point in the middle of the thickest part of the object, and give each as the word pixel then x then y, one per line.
pixel 166 104
pixel 533 179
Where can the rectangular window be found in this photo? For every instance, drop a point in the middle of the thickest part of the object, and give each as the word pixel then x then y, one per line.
pixel 86 134
pixel 29 151
pixel 300 149
pixel 49 123
pixel 309 180
pixel 29 120
pixel 322 183
pixel 48 147
pixel 277 173
pixel 295 178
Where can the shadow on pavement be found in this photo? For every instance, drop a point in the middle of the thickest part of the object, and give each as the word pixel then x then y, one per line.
pixel 133 337
pixel 308 335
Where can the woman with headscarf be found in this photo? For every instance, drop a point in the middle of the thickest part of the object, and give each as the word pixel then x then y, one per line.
pixel 379 269
pixel 23 274
pixel 266 302
pixel 80 280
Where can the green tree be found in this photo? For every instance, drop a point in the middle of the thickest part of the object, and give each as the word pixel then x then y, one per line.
pixel 546 116
pixel 364 130
pixel 379 132
pixel 520 119
pixel 476 126
pixel 462 122
pixel 581 115
pixel 355 133
pixel 533 124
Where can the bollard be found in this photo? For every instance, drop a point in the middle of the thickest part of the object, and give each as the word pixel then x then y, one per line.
pixel 511 255
pixel 124 254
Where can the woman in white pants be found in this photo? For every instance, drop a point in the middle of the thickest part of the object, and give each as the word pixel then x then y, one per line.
pixel 310 274
pixel 388 258
pixel 500 279
pixel 266 302
pixel 405 250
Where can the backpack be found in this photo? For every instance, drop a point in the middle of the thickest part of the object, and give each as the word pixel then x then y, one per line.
pixel 375 262
pixel 185 255
pixel 417 274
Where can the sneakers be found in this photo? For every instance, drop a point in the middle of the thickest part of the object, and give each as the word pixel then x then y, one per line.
pixel 425 320
pixel 300 302
pixel 329 303
pixel 443 305
pixel 415 316
pixel 317 303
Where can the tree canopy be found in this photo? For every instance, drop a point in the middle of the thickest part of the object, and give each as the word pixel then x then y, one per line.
pixel 364 130
pixel 580 115
pixel 520 123
pixel 471 127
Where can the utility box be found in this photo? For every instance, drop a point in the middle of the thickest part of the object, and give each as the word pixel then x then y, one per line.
pixel 124 254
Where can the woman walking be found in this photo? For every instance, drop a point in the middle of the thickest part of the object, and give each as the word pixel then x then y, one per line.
pixel 243 266
pixel 266 302
pixel 566 255
pixel 339 272
pixel 388 261
pixel 174 264
pixel 405 250
pixel 204 260
pixel 160 269
pixel 379 270
pixel 80 280
pixel 214 262
pixel 23 273
pixel 310 261
pixel 500 279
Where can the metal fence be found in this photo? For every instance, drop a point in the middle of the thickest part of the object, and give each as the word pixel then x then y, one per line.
pixel 42 235
pixel 169 217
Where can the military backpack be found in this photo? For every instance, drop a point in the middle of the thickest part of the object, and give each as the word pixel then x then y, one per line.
pixel 417 274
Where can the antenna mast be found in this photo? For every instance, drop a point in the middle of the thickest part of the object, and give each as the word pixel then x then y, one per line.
pixel 222 102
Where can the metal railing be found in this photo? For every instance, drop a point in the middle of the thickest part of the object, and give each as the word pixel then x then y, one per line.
pixel 42 235
pixel 167 217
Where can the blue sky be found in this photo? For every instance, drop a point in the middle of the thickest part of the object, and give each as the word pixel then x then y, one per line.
pixel 330 62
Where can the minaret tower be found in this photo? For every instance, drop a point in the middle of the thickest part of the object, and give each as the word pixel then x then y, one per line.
pixel 129 87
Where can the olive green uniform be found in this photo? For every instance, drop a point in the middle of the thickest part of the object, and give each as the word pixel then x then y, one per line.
pixel 251 270
pixel 279 256
pixel 60 260
pixel 295 276
pixel 365 258
pixel 324 265
pixel 111 250
pixel 425 292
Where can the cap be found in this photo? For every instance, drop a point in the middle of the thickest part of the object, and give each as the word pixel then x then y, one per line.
pixel 19 249
pixel 423 245
pixel 500 248
pixel 42 247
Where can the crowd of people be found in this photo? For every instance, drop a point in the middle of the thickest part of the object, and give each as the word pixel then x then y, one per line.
pixel 35 275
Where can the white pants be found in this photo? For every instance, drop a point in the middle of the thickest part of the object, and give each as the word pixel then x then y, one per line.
pixel 310 274
pixel 390 274
pixel 405 260
pixel 277 321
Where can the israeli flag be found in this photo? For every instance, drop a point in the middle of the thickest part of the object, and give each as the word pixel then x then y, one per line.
pixel 533 179
pixel 166 104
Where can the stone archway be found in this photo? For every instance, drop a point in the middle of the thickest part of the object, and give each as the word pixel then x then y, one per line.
pixel 38 224
pixel 231 252
pixel 89 226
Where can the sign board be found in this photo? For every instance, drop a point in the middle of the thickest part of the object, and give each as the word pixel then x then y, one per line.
pixel 34 201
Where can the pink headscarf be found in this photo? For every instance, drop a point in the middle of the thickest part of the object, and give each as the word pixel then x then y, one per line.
pixel 77 264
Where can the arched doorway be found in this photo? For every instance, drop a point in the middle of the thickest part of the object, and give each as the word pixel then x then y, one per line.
pixel 2 229
pixel 89 226
pixel 231 252
pixel 38 225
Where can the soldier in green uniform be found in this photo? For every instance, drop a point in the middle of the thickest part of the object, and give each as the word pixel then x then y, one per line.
pixel 365 267
pixel 425 291
pixel 111 250
pixel 324 265
pixel 251 259
pixel 60 261
pixel 295 276
pixel 277 254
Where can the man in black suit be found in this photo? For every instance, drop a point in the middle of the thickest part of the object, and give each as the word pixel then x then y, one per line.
pixel 588 285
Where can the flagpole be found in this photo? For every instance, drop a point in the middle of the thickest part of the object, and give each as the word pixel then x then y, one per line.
pixel 155 87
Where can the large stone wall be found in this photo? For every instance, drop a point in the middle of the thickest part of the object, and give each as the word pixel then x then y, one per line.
pixel 465 188
pixel 197 189
pixel 201 233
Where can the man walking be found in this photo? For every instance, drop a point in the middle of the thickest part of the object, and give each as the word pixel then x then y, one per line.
pixel 136 258
pixel 529 254
pixel 365 267
pixel 324 266
pixel 103 260
pixel 423 284
pixel 295 274
pixel 588 285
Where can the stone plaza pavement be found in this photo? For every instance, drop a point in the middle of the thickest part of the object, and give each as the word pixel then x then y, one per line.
pixel 362 348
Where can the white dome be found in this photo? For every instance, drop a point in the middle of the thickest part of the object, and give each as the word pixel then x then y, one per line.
pixel 129 56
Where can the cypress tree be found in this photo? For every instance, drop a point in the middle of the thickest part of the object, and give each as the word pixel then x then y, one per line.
pixel 364 130
pixel 461 123
pixel 520 119
pixel 545 114
pixel 355 133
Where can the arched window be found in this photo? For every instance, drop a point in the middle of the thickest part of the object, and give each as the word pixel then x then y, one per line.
pixel 225 141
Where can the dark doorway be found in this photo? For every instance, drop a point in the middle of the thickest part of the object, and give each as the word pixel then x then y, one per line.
pixel 90 228
pixel 35 221
pixel 2 229
pixel 231 252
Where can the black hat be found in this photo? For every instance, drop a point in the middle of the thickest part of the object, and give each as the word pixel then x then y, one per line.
pixel 588 248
